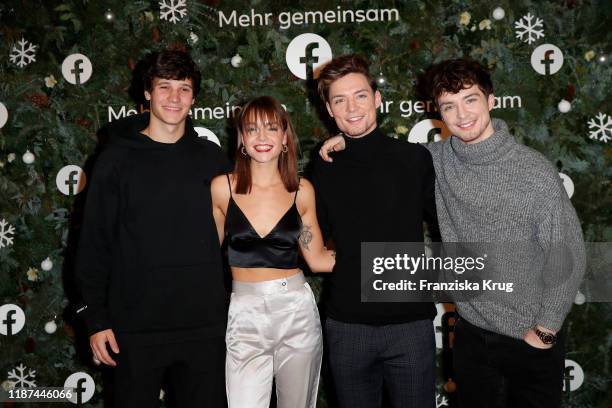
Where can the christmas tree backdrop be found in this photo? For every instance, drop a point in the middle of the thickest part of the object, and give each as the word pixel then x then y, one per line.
pixel 54 103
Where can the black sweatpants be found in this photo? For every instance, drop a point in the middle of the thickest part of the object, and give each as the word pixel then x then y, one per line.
pixel 493 370
pixel 366 359
pixel 193 373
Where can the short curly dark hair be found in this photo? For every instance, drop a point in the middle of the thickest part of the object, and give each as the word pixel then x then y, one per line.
pixel 451 76
pixel 171 64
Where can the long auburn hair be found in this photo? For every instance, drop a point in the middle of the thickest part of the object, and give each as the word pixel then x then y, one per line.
pixel 267 109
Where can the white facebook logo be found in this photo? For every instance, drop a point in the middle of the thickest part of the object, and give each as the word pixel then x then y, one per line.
pixel 207 134
pixel 306 53
pixel 70 180
pixel 568 184
pixel 573 376
pixel 77 69
pixel 3 115
pixel 12 319
pixel 83 387
pixel 428 130
pixel 547 59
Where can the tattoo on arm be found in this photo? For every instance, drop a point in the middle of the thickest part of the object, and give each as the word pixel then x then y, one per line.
pixel 305 236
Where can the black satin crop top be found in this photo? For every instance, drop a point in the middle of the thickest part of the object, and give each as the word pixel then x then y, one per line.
pixel 247 249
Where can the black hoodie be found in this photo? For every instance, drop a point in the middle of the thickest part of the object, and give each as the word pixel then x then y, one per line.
pixel 148 257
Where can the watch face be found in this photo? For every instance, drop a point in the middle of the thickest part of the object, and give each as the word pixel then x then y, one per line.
pixel 547 338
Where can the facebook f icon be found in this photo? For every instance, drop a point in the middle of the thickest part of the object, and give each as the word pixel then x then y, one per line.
pixel 76 69
pixel 70 180
pixel 12 319
pixel 568 378
pixel 82 385
pixel 547 59
pixel 79 390
pixel 309 58
pixel 573 376
pixel 306 53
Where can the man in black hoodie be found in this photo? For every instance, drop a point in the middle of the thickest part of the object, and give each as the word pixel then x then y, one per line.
pixel 149 265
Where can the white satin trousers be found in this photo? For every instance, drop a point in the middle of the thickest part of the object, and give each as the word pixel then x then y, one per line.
pixel 273 331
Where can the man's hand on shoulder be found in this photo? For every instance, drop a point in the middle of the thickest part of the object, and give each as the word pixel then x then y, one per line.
pixel 98 341
pixel 333 144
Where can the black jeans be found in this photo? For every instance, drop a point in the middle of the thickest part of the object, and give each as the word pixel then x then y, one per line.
pixel 193 373
pixel 365 358
pixel 493 370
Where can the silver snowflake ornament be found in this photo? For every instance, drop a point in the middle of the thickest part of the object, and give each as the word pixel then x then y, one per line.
pixel 602 128
pixel 172 10
pixel 6 232
pixel 24 55
pixel 441 401
pixel 527 30
pixel 20 378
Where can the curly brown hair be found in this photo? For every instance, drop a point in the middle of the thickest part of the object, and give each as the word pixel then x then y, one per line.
pixel 451 76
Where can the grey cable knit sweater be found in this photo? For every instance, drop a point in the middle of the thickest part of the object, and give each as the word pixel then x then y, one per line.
pixel 499 191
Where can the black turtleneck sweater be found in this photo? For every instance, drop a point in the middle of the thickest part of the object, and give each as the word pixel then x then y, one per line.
pixel 377 189
pixel 148 257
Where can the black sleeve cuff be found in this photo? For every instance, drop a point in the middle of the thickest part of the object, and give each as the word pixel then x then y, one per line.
pixel 95 320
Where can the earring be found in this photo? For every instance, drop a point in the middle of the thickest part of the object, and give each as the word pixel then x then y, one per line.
pixel 285 148
pixel 243 151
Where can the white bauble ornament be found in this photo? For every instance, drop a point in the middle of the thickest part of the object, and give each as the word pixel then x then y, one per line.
pixel 580 298
pixel 499 13
pixel 50 327
pixel 28 157
pixel 7 385
pixel 109 15
pixel 236 61
pixel 46 265
pixel 564 106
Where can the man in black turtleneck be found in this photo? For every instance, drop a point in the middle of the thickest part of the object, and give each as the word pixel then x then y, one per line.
pixel 149 265
pixel 378 189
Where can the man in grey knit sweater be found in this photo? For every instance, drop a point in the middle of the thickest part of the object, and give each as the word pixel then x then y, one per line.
pixel 489 188
pixel 508 348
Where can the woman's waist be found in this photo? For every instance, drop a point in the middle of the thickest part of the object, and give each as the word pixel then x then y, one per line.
pixel 262 281
pixel 261 274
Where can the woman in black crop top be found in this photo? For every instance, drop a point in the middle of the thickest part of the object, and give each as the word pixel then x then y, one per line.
pixel 267 214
